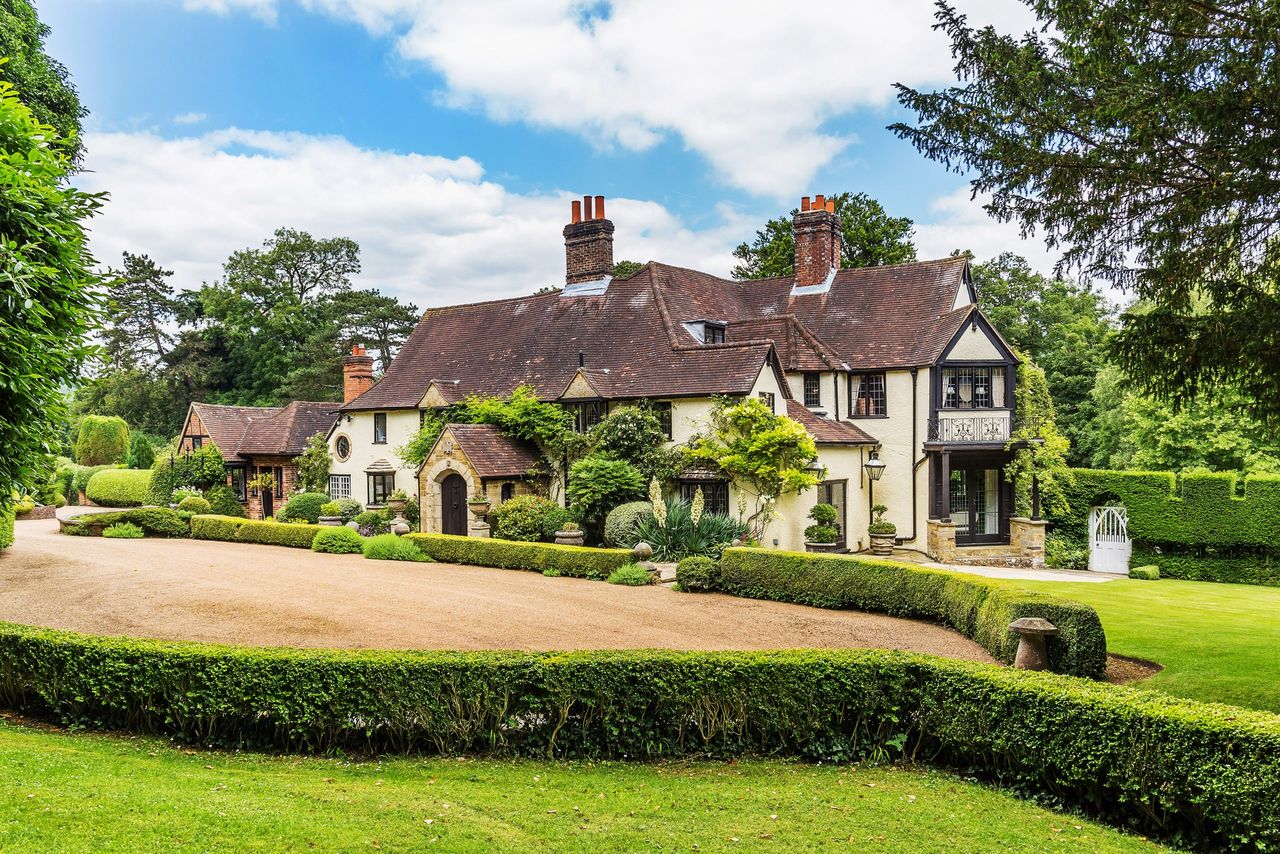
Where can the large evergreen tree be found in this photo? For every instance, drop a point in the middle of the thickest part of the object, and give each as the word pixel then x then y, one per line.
pixel 870 237
pixel 140 311
pixel 1142 138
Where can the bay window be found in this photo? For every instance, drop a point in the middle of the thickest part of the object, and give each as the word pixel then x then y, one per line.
pixel 973 387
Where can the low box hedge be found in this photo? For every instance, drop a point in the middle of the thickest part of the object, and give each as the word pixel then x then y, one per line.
pixel 1204 775
pixel 6 527
pixel 575 561
pixel 980 608
pixel 119 487
pixel 294 535
pixel 155 521
pixel 214 527
pixel 1253 567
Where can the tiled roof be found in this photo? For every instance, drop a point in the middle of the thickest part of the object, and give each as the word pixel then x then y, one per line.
pixel 493 347
pixel 826 431
pixel 494 454
pixel 264 430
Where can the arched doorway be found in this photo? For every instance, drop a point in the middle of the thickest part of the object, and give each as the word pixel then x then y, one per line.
pixel 453 504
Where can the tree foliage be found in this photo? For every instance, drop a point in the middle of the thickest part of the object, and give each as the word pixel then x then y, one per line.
pixel 313 465
pixel 47 301
pixel 1040 449
pixel 1142 139
pixel 42 82
pixel 103 440
pixel 871 237
pixel 141 310
pixel 634 434
pixel 598 483
pixel 765 454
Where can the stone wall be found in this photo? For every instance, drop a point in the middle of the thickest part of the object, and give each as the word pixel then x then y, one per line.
pixel 1026 539
pixel 941 537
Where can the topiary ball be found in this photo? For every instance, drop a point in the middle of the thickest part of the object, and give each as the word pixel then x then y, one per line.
pixel 195 504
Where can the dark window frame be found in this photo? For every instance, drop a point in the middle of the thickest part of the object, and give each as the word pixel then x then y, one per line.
pixel 950 399
pixel 588 414
pixel 662 411
pixel 713 333
pixel 379 418
pixel 507 492
pixel 278 474
pixel 715 494
pixel 238 478
pixel 811 387
pixel 337 447
pixel 387 481
pixel 869 402
pixel 770 400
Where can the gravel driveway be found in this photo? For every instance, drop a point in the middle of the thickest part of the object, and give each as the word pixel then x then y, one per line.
pixel 273 596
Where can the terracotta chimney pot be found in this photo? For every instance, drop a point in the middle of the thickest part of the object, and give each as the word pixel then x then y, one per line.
pixel 804 203
pixel 576 209
pixel 357 374
pixel 586 209
pixel 599 207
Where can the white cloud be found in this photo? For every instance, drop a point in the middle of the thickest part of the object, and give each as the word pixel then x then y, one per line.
pixel 747 84
pixel 432 230
pixel 190 118
pixel 960 223
pixel 264 9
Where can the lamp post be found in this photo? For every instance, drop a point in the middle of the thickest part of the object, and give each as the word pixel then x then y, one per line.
pixel 874 467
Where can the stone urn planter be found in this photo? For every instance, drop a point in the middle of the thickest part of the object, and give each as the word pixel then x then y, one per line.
pixel 823 547
pixel 332 521
pixel 570 538
pixel 882 544
pixel 397 505
pixel 479 509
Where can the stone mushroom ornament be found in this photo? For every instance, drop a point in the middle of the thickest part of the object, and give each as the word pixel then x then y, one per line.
pixel 1031 632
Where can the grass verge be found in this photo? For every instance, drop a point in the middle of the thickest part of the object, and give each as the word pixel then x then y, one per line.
pixel 1217 642
pixel 70 793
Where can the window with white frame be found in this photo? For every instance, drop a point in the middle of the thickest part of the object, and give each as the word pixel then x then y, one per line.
pixel 339 486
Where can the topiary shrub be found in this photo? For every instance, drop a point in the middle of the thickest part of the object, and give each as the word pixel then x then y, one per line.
pixel 575 561
pixel 103 440
pixel 123 531
pixel 84 474
pixel 142 454
pixel 391 547
pixel 119 487
pixel 978 607
pixel 195 504
pixel 305 505
pixel 1146 573
pixel 155 521
pixel 349 508
pixel 338 541
pixel 698 575
pixel 527 519
pixel 631 575
pixel 620 524
pixel 216 527
pixel 223 502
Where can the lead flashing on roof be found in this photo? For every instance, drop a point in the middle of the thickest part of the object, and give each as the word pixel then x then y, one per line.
pixel 587 289
pixel 821 288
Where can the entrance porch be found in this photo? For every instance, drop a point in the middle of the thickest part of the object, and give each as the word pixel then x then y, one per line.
pixel 971 517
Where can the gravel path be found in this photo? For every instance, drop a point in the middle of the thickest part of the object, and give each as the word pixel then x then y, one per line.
pixel 273 596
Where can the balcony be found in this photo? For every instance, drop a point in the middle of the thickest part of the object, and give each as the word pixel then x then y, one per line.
pixel 990 429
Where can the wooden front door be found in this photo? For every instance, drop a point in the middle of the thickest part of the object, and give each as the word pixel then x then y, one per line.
pixel 453 505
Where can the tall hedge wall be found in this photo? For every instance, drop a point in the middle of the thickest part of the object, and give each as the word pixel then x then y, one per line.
pixel 119 487
pixel 978 607
pixel 1193 526
pixel 1204 774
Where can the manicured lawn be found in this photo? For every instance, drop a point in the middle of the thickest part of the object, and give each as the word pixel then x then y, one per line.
pixel 93 793
pixel 1217 642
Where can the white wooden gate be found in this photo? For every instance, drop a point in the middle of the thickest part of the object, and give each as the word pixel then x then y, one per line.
pixel 1109 543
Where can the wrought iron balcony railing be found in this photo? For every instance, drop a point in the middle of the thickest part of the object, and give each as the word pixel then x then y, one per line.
pixel 962 429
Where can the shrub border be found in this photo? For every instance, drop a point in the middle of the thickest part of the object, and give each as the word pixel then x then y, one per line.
pixel 978 607
pixel 575 561
pixel 1203 774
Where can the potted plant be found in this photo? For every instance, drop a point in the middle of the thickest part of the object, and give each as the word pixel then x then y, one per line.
pixel 479 505
pixel 570 535
pixel 824 534
pixel 331 513
pixel 397 500
pixel 883 534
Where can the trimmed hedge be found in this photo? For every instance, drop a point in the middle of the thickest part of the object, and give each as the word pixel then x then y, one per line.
pixel 119 487
pixel 977 607
pixel 294 535
pixel 1203 774
pixel 83 474
pixel 6 527
pixel 303 505
pixel 339 540
pixel 698 575
pixel 575 561
pixel 156 521
pixel 1145 573
pixel 195 504
pixel 1252 567
pixel 213 527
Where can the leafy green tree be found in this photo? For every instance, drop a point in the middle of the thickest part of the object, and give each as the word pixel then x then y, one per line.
pixel 379 322
pixel 142 398
pixel 142 453
pixel 313 465
pixel 598 483
pixel 1063 326
pixel 1040 449
pixel 764 454
pixel 1137 432
pixel 626 269
pixel 47 301
pixel 103 440
pixel 870 238
pixel 634 434
pixel 1141 139
pixel 42 82
pixel 140 312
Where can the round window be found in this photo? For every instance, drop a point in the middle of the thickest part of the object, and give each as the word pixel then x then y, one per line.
pixel 343 446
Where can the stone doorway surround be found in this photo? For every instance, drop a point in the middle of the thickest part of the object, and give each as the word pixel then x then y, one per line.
pixel 431 486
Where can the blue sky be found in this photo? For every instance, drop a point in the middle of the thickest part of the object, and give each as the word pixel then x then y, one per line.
pixel 448 138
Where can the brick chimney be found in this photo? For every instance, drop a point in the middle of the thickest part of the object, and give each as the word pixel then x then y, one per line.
pixel 588 242
pixel 817 234
pixel 357 374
